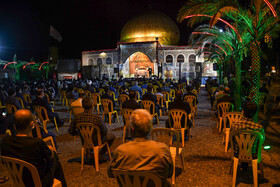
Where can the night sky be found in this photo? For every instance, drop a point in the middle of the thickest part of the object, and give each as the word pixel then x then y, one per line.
pixel 83 24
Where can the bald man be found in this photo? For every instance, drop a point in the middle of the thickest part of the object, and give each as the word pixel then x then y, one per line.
pixel 32 150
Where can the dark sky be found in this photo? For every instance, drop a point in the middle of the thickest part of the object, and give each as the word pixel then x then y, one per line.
pixel 83 24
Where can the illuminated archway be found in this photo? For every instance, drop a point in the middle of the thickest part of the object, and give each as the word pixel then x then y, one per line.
pixel 137 64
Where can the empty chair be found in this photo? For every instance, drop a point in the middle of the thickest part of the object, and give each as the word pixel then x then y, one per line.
pixel 107 105
pixel 229 117
pixel 16 168
pixel 247 147
pixel 191 99
pixel 223 108
pixel 165 135
pixel 86 133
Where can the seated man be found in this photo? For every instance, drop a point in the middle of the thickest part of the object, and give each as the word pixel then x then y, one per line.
pixel 250 108
pixel 40 100
pixel 131 103
pixel 88 117
pixel 135 87
pixel 151 97
pixel 78 102
pixel 32 150
pixel 226 97
pixel 71 94
pixel 179 103
pixel 189 92
pixel 142 154
pixel 11 99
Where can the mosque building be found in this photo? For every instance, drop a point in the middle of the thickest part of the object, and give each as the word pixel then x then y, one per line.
pixel 148 41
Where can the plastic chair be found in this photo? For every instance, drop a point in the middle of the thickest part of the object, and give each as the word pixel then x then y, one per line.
pixel 86 131
pixel 122 98
pixel 10 108
pixel 106 103
pixel 166 98
pixel 64 98
pixel 15 168
pixel 160 102
pixel 137 178
pixel 172 94
pixel 27 98
pixel 1 105
pixel 165 135
pixel 43 116
pixel 126 115
pixel 96 101
pixel 191 99
pixel 112 94
pixel 87 93
pixel 223 108
pixel 144 91
pixel 148 105
pixel 231 117
pixel 70 101
pixel 50 143
pixel 244 141
pixel 48 98
pixel 20 101
pixel 176 115
pixel 138 99
pixel 101 91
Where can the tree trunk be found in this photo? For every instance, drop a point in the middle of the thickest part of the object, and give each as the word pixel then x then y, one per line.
pixel 237 85
pixel 256 63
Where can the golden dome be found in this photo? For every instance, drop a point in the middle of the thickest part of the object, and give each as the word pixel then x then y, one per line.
pixel 148 27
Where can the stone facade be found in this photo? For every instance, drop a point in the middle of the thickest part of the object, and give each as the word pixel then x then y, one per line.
pixel 167 57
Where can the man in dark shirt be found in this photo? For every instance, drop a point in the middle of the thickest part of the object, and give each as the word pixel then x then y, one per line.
pixel 131 103
pixel 226 97
pixel 88 117
pixel 71 94
pixel 151 97
pixel 189 92
pixel 179 103
pixel 11 99
pixel 33 151
pixel 42 101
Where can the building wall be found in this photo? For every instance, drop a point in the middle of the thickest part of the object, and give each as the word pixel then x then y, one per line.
pixel 90 60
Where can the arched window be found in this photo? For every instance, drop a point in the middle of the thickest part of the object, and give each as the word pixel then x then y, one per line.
pixel 169 59
pixel 99 61
pixel 180 58
pixel 108 60
pixel 192 58
pixel 90 62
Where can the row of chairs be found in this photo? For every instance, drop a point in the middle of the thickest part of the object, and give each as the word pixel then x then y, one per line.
pixel 243 138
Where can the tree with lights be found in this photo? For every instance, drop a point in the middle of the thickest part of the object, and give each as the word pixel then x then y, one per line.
pixel 257 17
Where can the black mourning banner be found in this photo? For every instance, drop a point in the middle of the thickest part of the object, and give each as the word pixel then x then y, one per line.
pixel 68 65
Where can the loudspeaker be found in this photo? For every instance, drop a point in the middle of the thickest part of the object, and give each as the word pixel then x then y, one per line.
pixel 215 66
pixel 116 70
pixel 160 69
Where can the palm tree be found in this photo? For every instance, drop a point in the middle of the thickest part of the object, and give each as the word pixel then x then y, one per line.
pixel 257 17
pixel 225 45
